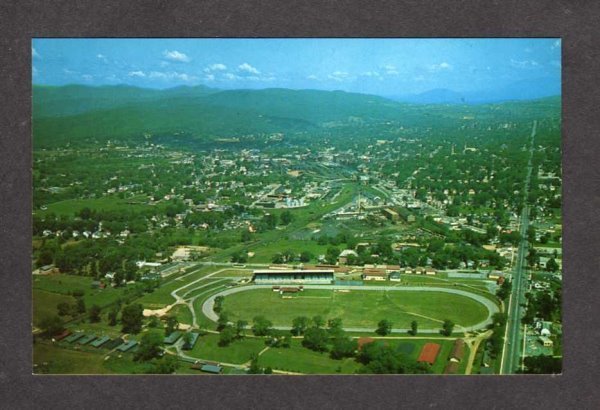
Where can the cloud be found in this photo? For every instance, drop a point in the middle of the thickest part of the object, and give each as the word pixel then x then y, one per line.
pixel 247 68
pixel 556 44
pixel 215 67
pixel 340 76
pixel 176 56
pixel 87 77
pixel 230 76
pixel 140 74
pixel 102 57
pixel 209 77
pixel 312 77
pixel 372 74
pixel 419 78
pixel 69 72
pixel 35 54
pixel 390 69
pixel 34 71
pixel 555 63
pixel 173 75
pixel 439 67
pixel 524 64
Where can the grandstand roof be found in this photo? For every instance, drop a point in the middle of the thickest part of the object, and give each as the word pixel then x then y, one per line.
pixel 292 272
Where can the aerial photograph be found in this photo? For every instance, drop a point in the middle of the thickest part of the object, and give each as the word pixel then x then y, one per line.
pixel 300 206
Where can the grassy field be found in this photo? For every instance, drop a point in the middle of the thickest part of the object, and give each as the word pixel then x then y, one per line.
pixel 182 313
pixel 66 284
pixel 299 359
pixel 162 296
pixel 238 352
pixel 358 308
pixel 44 304
pixel 234 273
pixel 72 206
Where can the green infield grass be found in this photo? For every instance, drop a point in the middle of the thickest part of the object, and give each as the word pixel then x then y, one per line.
pixel 358 308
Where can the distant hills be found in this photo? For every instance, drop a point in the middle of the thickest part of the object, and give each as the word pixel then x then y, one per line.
pixel 518 91
pixel 73 113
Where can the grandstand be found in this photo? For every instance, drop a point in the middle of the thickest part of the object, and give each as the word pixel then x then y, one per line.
pixel 324 277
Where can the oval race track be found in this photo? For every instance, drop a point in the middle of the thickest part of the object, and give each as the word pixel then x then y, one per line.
pixel 207 306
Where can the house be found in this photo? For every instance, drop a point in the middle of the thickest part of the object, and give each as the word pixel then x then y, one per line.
pixel 495 275
pixel 430 271
pixel 46 270
pixel 343 258
pixel 395 276
pixel 374 274
pixel 546 341
pixel 390 214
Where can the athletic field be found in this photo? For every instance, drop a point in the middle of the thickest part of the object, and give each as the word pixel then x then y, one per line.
pixel 357 308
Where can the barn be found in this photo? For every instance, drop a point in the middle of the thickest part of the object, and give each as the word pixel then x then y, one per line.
pixel 293 276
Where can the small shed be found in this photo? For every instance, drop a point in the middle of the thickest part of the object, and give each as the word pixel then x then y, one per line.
pixel 210 368
pixel 74 337
pixel 86 339
pixel 458 350
pixel 127 346
pixel 192 342
pixel 172 338
pixel 99 342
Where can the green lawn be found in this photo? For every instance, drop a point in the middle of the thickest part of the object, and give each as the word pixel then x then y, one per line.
pixel 44 304
pixel 162 296
pixel 182 313
pixel 358 308
pixel 299 359
pixel 63 284
pixel 238 352
pixel 234 273
pixel 71 206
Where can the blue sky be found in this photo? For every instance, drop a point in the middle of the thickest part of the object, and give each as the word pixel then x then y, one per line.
pixel 374 66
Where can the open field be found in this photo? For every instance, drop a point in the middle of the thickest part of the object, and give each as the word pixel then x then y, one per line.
pixel 72 206
pixel 238 352
pixel 44 304
pixel 162 296
pixel 299 359
pixel 66 284
pixel 358 308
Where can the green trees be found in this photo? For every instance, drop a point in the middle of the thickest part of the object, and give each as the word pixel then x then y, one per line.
pixel 286 217
pixel 52 325
pixel 261 326
pixel 316 338
pixel 240 328
pixel 504 291
pixel 447 327
pixel 94 313
pixel 131 318
pixel 299 325
pixel 227 336
pixel 384 327
pixel 332 255
pixel 222 321
pixel 172 325
pixel 150 346
pixel 112 316
pixel 413 328
pixel 306 256
pixel 380 358
pixel 551 265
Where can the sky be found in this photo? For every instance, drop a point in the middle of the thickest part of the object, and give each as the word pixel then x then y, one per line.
pixel 372 66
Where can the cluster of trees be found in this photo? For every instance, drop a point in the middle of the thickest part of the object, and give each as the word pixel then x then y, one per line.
pixel 546 305
pixel 542 365
pixel 380 358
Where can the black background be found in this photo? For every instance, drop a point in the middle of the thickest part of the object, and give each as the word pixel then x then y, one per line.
pixel 576 22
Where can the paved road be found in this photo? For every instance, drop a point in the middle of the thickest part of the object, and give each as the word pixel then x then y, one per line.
pixel 512 340
pixel 207 307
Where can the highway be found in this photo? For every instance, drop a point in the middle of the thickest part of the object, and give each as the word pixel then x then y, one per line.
pixel 512 341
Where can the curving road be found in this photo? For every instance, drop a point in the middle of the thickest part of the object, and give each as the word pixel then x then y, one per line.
pixel 207 307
